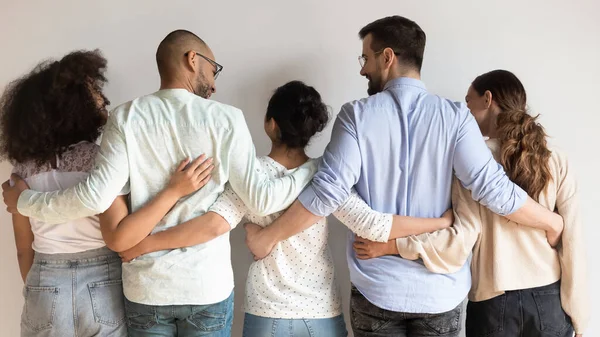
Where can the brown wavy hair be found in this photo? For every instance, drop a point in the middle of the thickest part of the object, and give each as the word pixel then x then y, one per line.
pixel 53 107
pixel 524 152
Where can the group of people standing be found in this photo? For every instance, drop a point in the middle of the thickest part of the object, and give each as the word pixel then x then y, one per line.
pixel 443 201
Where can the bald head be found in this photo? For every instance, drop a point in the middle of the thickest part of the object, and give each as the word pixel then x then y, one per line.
pixel 171 50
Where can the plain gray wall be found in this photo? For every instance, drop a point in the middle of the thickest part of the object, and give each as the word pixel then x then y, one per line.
pixel 553 46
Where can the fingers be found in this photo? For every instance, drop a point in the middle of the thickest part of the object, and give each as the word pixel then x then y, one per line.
pixel 196 163
pixel 359 248
pixel 6 185
pixel 183 164
pixel 203 171
pixel 204 181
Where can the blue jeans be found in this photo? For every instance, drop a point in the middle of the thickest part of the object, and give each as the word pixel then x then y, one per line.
pixel 78 294
pixel 180 320
pixel 256 326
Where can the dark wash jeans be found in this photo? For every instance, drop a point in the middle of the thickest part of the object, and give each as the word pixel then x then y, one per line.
pixel 535 312
pixel 369 320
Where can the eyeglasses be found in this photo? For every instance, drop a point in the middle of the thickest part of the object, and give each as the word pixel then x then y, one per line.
pixel 362 59
pixel 218 67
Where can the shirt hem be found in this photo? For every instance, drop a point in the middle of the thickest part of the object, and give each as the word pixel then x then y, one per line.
pixel 187 301
pixel 281 315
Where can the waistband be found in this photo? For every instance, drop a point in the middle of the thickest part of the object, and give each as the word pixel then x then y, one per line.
pixel 86 257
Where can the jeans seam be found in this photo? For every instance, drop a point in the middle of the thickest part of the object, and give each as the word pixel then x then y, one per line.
pixel 311 332
pixel 521 311
pixel 74 299
pixel 274 328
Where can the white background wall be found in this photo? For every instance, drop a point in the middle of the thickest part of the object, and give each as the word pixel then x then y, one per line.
pixel 553 46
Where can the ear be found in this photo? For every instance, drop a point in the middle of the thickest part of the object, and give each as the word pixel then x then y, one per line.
pixel 487 96
pixel 389 57
pixel 191 60
pixel 270 123
pixel 272 129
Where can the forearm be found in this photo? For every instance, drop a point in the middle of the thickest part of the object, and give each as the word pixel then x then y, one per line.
pixel 23 241
pixel 136 226
pixel 271 196
pixel 403 226
pixel 25 259
pixel 190 233
pixel 56 207
pixel 92 196
pixel 259 192
pixel 293 221
pixel 445 251
pixel 535 215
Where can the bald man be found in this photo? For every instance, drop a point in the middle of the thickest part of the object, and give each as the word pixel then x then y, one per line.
pixel 188 291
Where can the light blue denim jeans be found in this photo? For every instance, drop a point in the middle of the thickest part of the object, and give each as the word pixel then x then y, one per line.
pixel 257 326
pixel 213 320
pixel 79 294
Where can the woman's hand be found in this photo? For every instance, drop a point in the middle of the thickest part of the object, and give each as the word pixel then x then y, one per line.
pixel 187 180
pixel 447 219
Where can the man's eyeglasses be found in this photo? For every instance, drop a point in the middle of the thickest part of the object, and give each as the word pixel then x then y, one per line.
pixel 362 60
pixel 218 67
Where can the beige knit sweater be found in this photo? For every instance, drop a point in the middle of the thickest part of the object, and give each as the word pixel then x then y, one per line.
pixel 507 256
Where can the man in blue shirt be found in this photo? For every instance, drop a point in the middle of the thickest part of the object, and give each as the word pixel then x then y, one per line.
pixel 400 148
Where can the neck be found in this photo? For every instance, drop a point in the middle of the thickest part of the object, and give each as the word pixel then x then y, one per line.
pixel 175 83
pixel 288 157
pixel 489 127
pixel 398 73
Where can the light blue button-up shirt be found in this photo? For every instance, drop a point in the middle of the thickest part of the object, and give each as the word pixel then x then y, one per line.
pixel 400 149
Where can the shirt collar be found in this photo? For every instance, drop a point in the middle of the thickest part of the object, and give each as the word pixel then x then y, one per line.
pixel 405 81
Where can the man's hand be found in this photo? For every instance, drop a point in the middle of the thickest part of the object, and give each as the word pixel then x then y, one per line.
pixel 260 245
pixel 11 194
pixel 366 249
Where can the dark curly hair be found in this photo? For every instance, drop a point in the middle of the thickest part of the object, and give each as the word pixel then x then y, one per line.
pixel 299 113
pixel 56 105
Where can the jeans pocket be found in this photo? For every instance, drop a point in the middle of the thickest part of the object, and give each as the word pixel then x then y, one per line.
pixel 140 316
pixel 211 317
pixel 486 317
pixel 40 305
pixel 444 323
pixel 553 319
pixel 364 316
pixel 108 302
